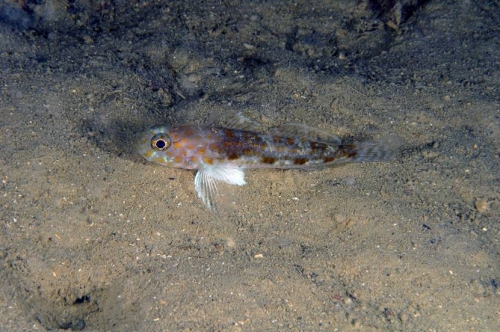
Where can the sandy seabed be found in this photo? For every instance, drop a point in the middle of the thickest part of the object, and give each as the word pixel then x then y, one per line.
pixel 94 238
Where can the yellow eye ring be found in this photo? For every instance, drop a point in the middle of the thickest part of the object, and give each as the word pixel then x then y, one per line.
pixel 160 142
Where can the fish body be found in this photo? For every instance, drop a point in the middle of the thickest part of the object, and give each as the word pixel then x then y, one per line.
pixel 222 154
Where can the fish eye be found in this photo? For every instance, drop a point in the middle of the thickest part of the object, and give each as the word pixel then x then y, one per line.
pixel 160 142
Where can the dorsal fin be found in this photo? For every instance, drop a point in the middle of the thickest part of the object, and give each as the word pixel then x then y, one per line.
pixel 240 122
pixel 305 133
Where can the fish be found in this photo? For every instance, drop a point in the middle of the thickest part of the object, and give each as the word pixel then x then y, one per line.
pixel 222 154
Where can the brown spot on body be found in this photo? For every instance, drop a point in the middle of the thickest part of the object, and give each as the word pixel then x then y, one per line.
pixel 190 146
pixel 248 152
pixel 232 155
pixel 179 144
pixel 192 161
pixel 247 136
pixel 174 137
pixel 268 160
pixel 214 147
pixel 344 152
pixel 208 161
pixel 350 151
pixel 188 131
pixel 229 134
pixel 177 159
pixel 300 161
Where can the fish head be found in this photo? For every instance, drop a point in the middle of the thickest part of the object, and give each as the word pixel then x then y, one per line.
pixel 166 146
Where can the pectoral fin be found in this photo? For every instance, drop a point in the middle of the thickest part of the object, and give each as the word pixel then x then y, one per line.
pixel 207 178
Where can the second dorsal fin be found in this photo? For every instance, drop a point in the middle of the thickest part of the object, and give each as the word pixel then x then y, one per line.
pixel 305 133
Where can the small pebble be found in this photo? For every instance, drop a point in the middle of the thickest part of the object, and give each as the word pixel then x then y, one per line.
pixel 230 243
pixel 481 205
pixel 248 46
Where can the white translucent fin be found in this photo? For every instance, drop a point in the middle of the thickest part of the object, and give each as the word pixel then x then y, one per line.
pixel 241 122
pixel 205 182
pixel 306 133
pixel 381 150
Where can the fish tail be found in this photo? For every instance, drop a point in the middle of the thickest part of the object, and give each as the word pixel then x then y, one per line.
pixel 380 150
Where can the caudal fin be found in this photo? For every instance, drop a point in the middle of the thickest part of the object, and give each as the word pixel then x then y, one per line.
pixel 380 150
